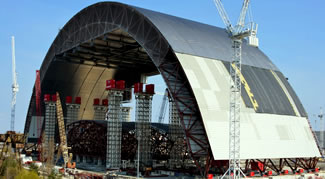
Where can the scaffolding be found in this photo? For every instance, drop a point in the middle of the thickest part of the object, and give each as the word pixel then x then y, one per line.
pixel 176 135
pixel 114 129
pixel 72 112
pixel 50 121
pixel 126 114
pixel 143 127
pixel 99 112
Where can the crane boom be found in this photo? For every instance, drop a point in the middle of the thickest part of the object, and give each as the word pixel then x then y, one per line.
pixel 224 16
pixel 63 137
pixel 241 20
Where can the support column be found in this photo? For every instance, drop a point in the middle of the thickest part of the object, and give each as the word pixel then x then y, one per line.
pixel 50 118
pixel 72 110
pixel 176 135
pixel 126 114
pixel 114 124
pixel 100 110
pixel 143 113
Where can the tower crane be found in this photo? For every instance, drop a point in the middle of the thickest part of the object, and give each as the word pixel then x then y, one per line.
pixel 321 129
pixel 15 86
pixel 237 33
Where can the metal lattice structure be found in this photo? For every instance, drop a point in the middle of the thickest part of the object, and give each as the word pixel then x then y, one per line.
pixel 113 40
pixel 126 114
pixel 87 138
pixel 72 113
pixel 50 121
pixel 62 134
pixel 143 127
pixel 114 129
pixel 234 113
pixel 38 104
pixel 157 50
pixel 15 86
pixel 100 112
pixel 236 33
pixel 321 130
pixel 176 134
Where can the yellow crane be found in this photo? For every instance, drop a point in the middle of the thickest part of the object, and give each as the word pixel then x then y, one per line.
pixel 63 147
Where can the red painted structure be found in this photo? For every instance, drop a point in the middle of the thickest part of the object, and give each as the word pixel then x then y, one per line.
pixel 68 99
pixel 138 88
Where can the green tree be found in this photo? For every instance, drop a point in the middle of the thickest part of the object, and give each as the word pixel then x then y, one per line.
pixel 25 174
pixel 9 166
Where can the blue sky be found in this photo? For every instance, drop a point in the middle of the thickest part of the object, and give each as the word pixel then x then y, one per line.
pixel 290 33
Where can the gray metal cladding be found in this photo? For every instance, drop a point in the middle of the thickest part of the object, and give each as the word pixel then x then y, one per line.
pixel 194 38
pixel 292 93
pixel 244 94
pixel 266 90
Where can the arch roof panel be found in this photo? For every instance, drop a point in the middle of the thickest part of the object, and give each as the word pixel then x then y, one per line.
pixel 164 39
pixel 194 38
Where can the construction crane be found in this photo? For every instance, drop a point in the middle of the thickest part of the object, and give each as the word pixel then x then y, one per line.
pixel 63 148
pixel 39 121
pixel 237 33
pixel 321 129
pixel 15 86
pixel 163 107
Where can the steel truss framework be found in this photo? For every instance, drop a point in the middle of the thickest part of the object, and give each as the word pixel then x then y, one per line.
pixel 143 127
pixel 99 20
pixel 114 129
pixel 102 18
pixel 176 135
pixel 88 138
pixel 72 113
pixel 308 164
pixel 50 122
pixel 275 165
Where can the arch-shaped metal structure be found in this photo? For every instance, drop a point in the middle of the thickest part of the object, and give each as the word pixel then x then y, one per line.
pixel 113 40
pixel 102 18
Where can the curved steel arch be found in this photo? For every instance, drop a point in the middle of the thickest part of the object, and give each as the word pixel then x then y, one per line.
pixel 102 18
pixel 161 36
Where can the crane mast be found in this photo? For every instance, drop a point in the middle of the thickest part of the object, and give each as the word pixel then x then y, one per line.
pixel 321 130
pixel 236 33
pixel 15 87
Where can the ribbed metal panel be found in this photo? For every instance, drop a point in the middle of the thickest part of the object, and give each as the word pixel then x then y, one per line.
pixel 274 123
pixel 293 94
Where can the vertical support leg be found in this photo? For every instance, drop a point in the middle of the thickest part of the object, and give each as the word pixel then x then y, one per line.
pixel 49 130
pixel 143 127
pixel 176 135
pixel 114 129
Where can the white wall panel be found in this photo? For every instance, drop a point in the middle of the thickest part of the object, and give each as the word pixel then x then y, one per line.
pixel 262 135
